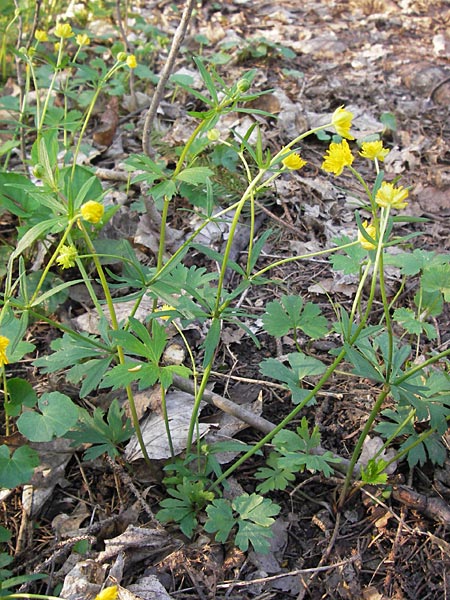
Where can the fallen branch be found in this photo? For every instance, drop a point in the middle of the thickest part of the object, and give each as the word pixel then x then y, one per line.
pixel 165 74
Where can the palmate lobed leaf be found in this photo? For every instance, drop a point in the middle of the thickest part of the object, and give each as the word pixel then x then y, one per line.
pixel 290 313
pixel 58 415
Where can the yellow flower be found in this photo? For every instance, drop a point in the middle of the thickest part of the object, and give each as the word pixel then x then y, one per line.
pixel 339 156
pixel 41 35
pixel 63 30
pixel 371 231
pixel 293 161
pixel 165 307
pixel 67 256
pixel 388 195
pixel 82 39
pixel 342 121
pixel 131 61
pixel 109 593
pixel 92 211
pixel 374 150
pixel 4 341
pixel 57 46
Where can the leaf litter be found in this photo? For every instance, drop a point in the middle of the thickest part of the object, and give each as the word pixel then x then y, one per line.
pixel 337 64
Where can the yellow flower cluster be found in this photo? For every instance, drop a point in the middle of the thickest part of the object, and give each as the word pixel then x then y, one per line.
pixel 92 211
pixel 390 196
pixel 82 39
pixel 342 121
pixel 67 256
pixel 63 30
pixel 131 61
pixel 374 150
pixel 40 35
pixel 338 156
pixel 293 161
pixel 4 342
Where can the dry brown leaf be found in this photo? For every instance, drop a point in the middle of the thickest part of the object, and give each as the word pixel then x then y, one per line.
pixel 109 120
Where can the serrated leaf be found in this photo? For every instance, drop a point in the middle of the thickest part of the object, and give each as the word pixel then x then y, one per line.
pixel 105 435
pixel 282 316
pixel 437 278
pixel 276 477
pixel 58 415
pixel 220 519
pixel 18 468
pixel 255 508
pixel 256 535
pixel 195 175
pixel 312 322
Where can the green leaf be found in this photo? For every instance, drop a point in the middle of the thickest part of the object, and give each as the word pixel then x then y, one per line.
pixel 122 375
pixel 437 278
pixel 281 317
pixel 350 262
pixel 255 520
pixel 407 319
pixel 91 372
pixel 20 393
pixel 304 365
pixel 276 477
pixel 389 121
pixel 220 519
pixel 195 175
pixel 255 508
pixel 362 366
pixel 36 232
pixel 58 415
pixel 14 329
pixel 105 435
pixel 373 473
pixel 18 468
pixel 211 341
pixel 180 512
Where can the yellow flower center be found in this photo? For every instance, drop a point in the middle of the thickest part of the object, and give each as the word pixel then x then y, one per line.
pixel 390 196
pixel 338 156
pixel 92 211
pixel 293 161
pixel 374 150
pixel 63 30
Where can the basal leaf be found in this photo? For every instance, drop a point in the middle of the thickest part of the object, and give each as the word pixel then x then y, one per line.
pixel 17 468
pixel 58 415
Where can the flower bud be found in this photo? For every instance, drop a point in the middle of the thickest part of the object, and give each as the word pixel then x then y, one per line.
pixel 213 135
pixel 38 171
pixel 243 85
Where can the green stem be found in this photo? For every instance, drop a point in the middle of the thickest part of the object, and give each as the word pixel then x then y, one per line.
pixel 120 352
pixel 302 257
pixel 196 407
pixel 166 421
pixel 52 259
pixel 357 451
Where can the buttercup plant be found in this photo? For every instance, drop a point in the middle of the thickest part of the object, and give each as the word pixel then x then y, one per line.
pixel 65 210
